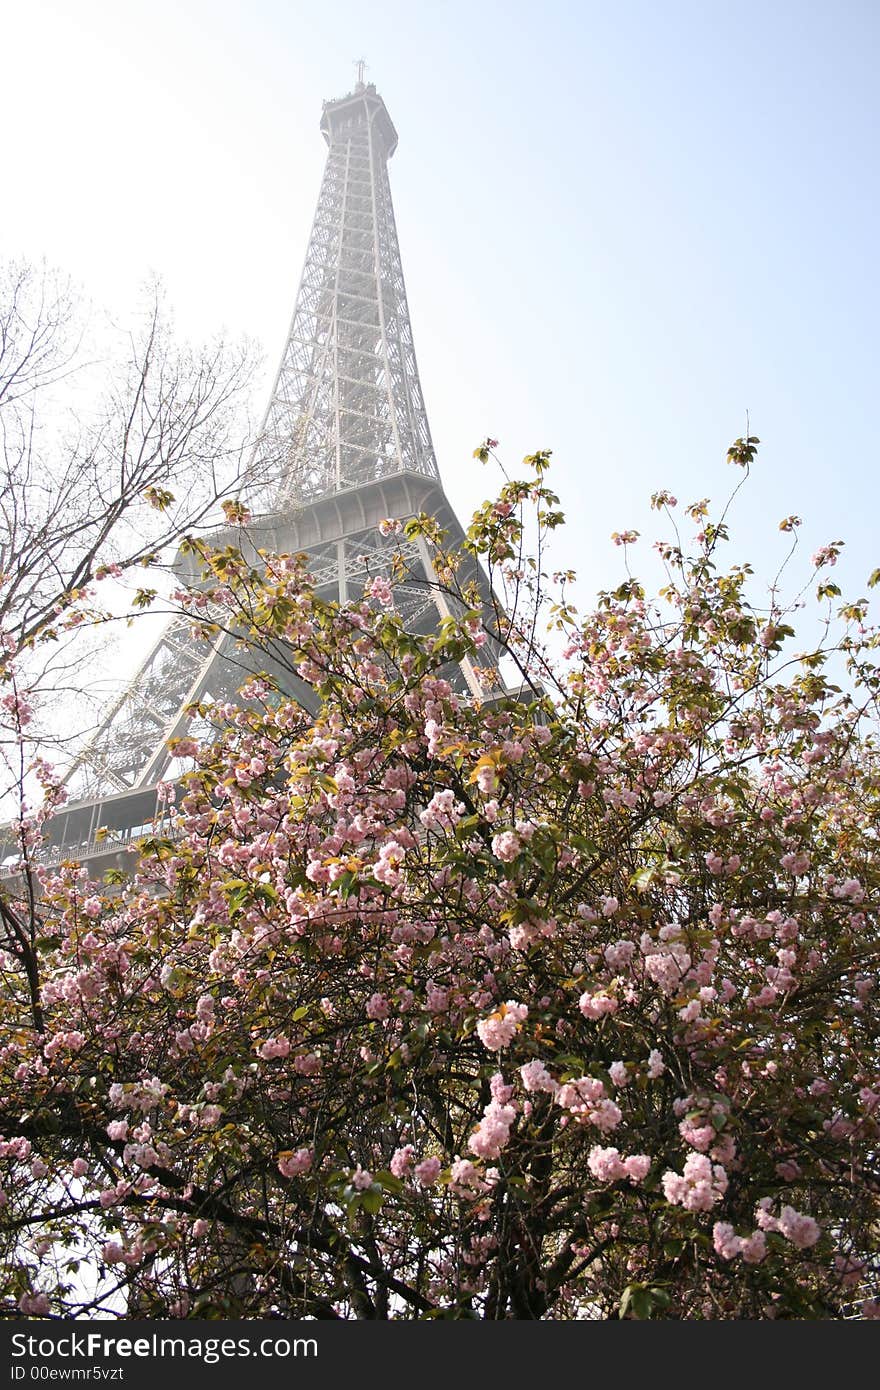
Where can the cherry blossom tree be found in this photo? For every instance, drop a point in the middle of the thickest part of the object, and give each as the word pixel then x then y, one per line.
pixel 557 1005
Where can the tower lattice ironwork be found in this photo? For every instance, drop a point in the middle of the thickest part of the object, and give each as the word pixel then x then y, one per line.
pixel 345 443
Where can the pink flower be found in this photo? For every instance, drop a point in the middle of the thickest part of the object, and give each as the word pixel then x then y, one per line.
pixel 442 812
pixel 493 1131
pixel 637 1167
pixel 307 1064
pixel 605 1116
pixel 536 1077
pixel 402 1161
pixel 605 1164
pixel 185 748
pixel 656 1065
pixel 666 969
pixel 825 555
pixel 853 890
pixel 499 1028
pixel 754 1248
pixel 801 1230
pixel 387 867
pixel 727 1243
pixel 506 845
pixel 465 1178
pixel 619 954
pixel 789 1169
pixel 698 1136
pixel 290 1165
pixel 428 1171
pixel 595 1006
pixel 361 1179
pixel 586 1101
pixel 795 863
pixel 377 1007
pixel 702 1184
pixel 379 588
pixel 500 1090
pixel 608 1166
pixel 34 1305
pixel 723 1150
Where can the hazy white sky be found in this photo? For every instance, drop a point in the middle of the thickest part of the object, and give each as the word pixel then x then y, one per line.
pixel 622 224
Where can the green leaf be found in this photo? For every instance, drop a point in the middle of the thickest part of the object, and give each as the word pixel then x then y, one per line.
pixel 642 880
pixel 371 1199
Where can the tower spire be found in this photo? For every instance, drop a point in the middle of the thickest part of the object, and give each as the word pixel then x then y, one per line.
pixel 347 404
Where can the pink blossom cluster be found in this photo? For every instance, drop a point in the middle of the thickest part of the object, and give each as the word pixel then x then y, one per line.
pixel 71 1041
pixel 699 1187
pixel 798 1228
pixel 380 588
pixel 292 1164
pixel 378 1006
pixel 468 1181
pixel 656 1065
pixel 34 1305
pixel 500 1028
pixel 493 1131
pixel 442 812
pixel 428 1171
pixel 619 954
pixel 728 1245
pixel 826 555
pixel 595 1005
pixel 506 845
pixel 585 1100
pixel 402 1161
pixel 608 1166
pixel 387 867
pixel 667 968
pixel 536 1077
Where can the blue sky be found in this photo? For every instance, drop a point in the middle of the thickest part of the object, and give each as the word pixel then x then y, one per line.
pixel 623 224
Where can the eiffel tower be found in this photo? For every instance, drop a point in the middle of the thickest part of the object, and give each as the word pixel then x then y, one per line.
pixel 345 444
